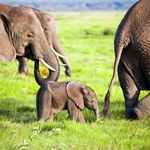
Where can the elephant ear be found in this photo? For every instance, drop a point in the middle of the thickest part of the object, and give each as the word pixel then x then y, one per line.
pixel 75 93
pixel 7 51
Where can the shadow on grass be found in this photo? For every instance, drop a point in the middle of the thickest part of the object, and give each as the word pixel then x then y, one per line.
pixel 15 111
pixel 117 111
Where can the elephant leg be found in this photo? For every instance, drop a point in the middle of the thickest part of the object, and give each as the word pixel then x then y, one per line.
pixel 50 117
pixel 46 117
pixel 75 113
pixel 129 88
pixel 142 109
pixel 80 117
pixel 23 65
pixel 44 105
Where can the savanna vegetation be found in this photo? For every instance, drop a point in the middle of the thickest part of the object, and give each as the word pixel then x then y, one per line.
pixel 87 40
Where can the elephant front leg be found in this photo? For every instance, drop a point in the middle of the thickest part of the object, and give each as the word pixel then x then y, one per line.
pixel 23 65
pixel 80 117
pixel 75 113
pixel 130 90
pixel 142 109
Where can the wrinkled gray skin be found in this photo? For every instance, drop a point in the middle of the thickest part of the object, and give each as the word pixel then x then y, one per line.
pixel 49 27
pixel 21 34
pixel 53 97
pixel 132 51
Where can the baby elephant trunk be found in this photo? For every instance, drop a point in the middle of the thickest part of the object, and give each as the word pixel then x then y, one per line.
pixel 96 112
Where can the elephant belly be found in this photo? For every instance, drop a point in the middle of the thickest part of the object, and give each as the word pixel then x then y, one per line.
pixel 137 68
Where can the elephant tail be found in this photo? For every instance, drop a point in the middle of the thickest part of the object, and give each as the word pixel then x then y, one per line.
pixel 107 96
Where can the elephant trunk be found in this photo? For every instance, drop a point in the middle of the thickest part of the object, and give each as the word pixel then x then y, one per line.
pixel 53 73
pixel 96 112
pixel 63 58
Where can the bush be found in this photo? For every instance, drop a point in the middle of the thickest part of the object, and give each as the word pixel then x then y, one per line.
pixel 107 31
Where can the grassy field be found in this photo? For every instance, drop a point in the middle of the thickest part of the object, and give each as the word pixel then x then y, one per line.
pixel 87 40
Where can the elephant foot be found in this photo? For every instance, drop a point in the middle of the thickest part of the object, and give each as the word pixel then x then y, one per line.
pixel 46 118
pixel 136 114
pixel 68 72
pixel 141 114
pixel 142 109
pixel 105 114
pixel 129 113
pixel 23 72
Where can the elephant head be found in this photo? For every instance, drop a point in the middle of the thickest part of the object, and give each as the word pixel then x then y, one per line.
pixel 82 96
pixel 23 35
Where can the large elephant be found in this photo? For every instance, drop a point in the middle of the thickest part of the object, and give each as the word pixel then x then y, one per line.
pixel 48 24
pixel 22 35
pixel 53 97
pixel 132 51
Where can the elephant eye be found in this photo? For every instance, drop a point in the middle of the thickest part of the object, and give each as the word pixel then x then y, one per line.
pixel 30 34
pixel 46 29
pixel 92 100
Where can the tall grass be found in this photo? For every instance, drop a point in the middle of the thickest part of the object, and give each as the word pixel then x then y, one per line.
pixel 87 40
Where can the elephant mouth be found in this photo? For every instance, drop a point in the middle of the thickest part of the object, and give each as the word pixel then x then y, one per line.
pixel 29 53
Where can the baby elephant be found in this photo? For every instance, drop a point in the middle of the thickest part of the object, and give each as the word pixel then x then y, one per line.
pixel 53 97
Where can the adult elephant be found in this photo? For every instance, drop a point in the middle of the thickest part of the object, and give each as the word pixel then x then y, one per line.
pixel 49 27
pixel 132 51
pixel 22 35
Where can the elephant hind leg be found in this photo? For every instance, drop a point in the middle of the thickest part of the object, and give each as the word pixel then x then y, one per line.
pixel 50 117
pixel 142 109
pixel 44 104
pixel 46 115
pixel 130 90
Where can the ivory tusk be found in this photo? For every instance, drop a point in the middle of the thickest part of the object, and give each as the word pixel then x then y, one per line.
pixel 56 53
pixel 46 65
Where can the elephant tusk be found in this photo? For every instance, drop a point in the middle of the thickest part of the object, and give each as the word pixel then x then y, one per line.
pixel 46 65
pixel 56 53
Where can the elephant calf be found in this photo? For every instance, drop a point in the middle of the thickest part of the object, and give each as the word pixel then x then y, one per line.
pixel 53 97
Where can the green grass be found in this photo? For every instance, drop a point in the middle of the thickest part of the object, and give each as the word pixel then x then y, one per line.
pixel 91 56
